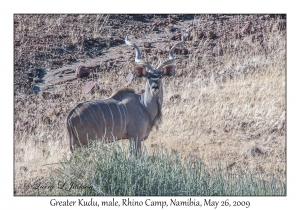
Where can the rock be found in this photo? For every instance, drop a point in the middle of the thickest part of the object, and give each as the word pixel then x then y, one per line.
pixel 258 49
pixel 209 34
pixel 189 30
pixel 109 64
pixel 217 50
pixel 49 112
pixel 175 97
pixel 88 87
pixel 259 38
pixel 36 80
pixel 173 21
pixel 170 25
pixel 254 151
pixel 147 50
pixel 82 71
pixel 247 28
pixel 229 167
pixel 118 40
pixel 115 25
pixel 195 35
pixel 23 169
pixel 195 44
pixel 256 39
pixel 192 35
pixel 248 40
pixel 147 44
pixel 45 119
pixel 129 78
pixel 48 95
pixel 160 51
pixel 281 126
pixel 167 48
pixel 23 125
pixel 184 51
pixel 57 111
pixel 237 35
pixel 157 23
pixel 177 50
pixel 201 34
pixel 44 95
pixel 155 28
pixel 64 109
pixel 176 37
pixel 171 29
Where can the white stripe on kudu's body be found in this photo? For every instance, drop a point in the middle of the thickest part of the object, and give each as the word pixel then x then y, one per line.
pixel 96 121
pixel 121 105
pixel 112 118
pixel 78 115
pixel 104 136
pixel 128 115
pixel 121 120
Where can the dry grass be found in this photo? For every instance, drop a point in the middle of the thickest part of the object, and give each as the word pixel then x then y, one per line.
pixel 227 121
pixel 229 109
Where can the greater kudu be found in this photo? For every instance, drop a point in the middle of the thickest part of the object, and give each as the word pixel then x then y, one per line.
pixel 124 115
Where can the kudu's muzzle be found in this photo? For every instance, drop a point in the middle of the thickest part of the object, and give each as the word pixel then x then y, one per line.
pixel 154 88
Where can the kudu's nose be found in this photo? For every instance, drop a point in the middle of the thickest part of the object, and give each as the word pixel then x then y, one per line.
pixel 154 88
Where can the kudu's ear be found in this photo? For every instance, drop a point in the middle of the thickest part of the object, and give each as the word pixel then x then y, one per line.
pixel 140 71
pixel 169 70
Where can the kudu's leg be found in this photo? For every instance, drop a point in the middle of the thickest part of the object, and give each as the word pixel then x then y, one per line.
pixel 135 146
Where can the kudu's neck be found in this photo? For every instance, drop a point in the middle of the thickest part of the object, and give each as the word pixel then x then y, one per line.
pixel 153 103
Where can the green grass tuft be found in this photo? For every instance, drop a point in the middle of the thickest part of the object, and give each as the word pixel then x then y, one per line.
pixel 112 170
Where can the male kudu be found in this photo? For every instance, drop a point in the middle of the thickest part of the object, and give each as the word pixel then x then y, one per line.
pixel 124 115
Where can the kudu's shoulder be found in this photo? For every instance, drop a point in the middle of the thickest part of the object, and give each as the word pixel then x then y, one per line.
pixel 123 93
